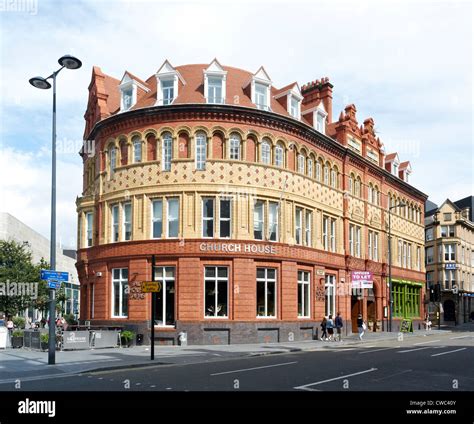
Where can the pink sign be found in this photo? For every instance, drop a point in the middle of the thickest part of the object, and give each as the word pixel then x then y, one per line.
pixel 362 280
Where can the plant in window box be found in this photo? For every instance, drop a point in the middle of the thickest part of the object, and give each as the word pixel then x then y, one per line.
pixel 127 337
pixel 17 338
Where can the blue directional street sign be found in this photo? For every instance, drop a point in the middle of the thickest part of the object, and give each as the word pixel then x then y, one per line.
pixel 50 275
pixel 54 284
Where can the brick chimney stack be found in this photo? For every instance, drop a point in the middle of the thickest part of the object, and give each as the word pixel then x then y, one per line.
pixel 318 91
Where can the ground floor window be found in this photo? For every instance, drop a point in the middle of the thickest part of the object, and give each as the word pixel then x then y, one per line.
pixel 303 294
pixel 266 292
pixel 406 299
pixel 216 283
pixel 165 300
pixel 330 297
pixel 120 293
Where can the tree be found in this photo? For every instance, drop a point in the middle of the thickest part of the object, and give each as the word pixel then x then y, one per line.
pixel 16 267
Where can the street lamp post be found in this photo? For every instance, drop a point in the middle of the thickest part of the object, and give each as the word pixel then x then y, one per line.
pixel 68 62
pixel 401 205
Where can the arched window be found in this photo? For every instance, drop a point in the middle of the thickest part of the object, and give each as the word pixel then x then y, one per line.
pixel 265 155
pixel 279 155
pixel 350 184
pixel 357 187
pixel 334 177
pixel 235 146
pixel 167 151
pixel 326 173
pixel 137 149
pixel 376 196
pixel 370 190
pixel 113 161
pixel 301 161
pixel 309 167
pixel 319 166
pixel 201 150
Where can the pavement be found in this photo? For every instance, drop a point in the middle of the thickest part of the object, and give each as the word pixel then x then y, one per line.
pixel 24 364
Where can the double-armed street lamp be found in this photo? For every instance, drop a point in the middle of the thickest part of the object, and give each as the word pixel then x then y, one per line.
pixel 399 205
pixel 69 62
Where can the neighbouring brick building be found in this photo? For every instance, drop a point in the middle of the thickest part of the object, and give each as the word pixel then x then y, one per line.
pixel 255 203
pixel 449 238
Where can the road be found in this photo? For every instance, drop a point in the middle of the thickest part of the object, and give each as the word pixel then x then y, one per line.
pixel 444 362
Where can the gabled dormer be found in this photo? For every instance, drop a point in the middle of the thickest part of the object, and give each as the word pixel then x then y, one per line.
pixel 167 84
pixel 215 83
pixel 260 87
pixel 392 163
pixel 129 87
pixel 404 170
pixel 290 98
pixel 316 116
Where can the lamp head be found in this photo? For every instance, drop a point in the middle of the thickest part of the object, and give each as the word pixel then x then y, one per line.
pixel 40 82
pixel 70 62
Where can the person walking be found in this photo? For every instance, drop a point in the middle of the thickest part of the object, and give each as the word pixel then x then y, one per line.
pixel 361 326
pixel 324 334
pixel 330 328
pixel 339 324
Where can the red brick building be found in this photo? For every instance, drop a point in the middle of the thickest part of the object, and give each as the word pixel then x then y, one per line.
pixel 256 205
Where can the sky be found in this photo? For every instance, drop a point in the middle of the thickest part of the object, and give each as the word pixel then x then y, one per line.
pixel 406 64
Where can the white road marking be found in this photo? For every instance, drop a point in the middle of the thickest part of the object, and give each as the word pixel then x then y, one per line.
pixel 377 350
pixel 413 350
pixel 343 350
pixel 306 386
pixel 451 351
pixel 256 368
pixel 422 343
pixel 460 337
pixel 392 375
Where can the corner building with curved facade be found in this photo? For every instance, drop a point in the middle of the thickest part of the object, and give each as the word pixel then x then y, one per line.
pixel 255 204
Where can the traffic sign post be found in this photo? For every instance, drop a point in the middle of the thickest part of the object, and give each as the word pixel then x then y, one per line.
pixel 54 279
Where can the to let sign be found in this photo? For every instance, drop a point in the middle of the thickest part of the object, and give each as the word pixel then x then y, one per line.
pixel 151 286
pixel 362 280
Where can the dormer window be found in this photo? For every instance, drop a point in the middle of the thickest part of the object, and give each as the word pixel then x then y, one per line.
pixel 129 87
pixel 290 98
pixel 214 90
pixel 167 79
pixel 320 122
pixel 294 107
pixel 395 169
pixel 317 116
pixel 167 88
pixel 260 85
pixel 127 99
pixel 215 83
pixel 261 96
